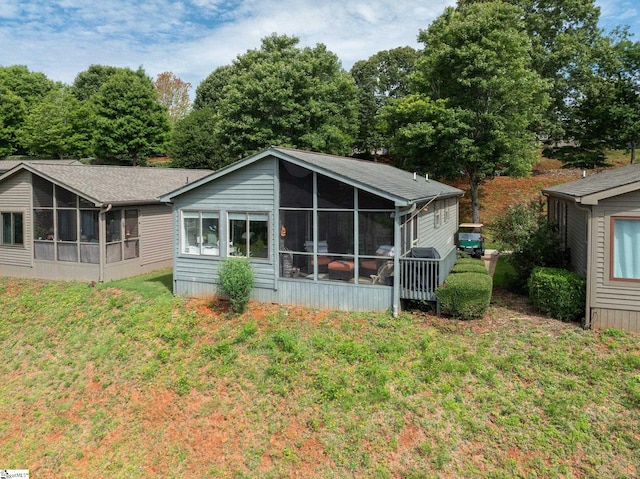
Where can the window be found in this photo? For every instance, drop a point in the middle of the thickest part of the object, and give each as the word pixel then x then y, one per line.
pixel 437 214
pixel 200 233
pixel 249 234
pixel 12 230
pixel 625 254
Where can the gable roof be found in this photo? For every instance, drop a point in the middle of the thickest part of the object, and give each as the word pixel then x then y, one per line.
pixel 377 178
pixel 116 185
pixel 591 189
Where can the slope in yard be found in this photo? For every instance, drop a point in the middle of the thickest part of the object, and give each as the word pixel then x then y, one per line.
pixel 124 380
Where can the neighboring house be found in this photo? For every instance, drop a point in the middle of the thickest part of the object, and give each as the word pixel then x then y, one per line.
pixel 90 223
pixel 599 221
pixel 320 230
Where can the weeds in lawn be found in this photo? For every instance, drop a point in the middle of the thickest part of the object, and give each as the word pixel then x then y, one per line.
pixel 125 379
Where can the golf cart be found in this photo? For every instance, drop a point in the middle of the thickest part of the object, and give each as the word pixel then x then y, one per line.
pixel 470 240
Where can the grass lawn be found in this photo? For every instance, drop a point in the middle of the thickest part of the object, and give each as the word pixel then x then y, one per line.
pixel 123 380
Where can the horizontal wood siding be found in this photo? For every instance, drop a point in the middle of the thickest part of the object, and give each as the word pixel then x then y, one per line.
pixel 607 295
pixel 249 189
pixel 15 197
pixel 621 319
pixel 440 236
pixel 156 240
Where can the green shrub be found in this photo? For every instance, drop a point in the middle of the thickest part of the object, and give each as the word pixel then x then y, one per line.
pixel 470 265
pixel 558 293
pixel 236 282
pixel 465 295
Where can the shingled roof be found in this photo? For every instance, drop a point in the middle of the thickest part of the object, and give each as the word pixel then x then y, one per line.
pixel 113 184
pixel 606 184
pixel 6 165
pixel 379 178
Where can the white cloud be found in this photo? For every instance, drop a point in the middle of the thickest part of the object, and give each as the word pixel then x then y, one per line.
pixel 193 37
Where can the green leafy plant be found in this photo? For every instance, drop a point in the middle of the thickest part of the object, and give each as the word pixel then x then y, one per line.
pixel 558 293
pixel 236 282
pixel 470 265
pixel 465 295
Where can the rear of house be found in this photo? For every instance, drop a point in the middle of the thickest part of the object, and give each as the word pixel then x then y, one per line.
pixel 88 223
pixel 319 230
pixel 599 222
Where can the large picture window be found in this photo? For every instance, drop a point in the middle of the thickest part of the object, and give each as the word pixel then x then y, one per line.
pixel 249 234
pixel 200 233
pixel 625 254
pixel 11 229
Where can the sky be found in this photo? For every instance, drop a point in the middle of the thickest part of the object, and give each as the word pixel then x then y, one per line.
pixel 191 38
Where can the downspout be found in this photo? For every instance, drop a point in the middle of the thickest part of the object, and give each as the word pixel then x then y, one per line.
pixel 587 307
pixel 103 240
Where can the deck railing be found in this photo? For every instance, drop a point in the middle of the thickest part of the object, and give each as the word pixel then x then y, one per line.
pixel 419 277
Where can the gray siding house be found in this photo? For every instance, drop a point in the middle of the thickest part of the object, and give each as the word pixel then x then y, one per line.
pixel 599 220
pixel 320 230
pixel 89 223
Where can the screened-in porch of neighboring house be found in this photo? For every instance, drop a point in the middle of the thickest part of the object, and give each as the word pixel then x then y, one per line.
pixel 331 231
pixel 67 227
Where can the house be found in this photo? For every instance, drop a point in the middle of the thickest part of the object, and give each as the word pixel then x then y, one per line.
pixel 599 222
pixel 89 223
pixel 320 230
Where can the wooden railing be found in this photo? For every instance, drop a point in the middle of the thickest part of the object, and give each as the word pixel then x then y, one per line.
pixel 419 277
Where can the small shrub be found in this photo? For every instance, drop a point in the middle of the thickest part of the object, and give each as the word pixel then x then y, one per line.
pixel 470 265
pixel 236 282
pixel 465 295
pixel 558 293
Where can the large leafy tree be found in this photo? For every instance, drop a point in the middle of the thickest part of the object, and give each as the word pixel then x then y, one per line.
pixel 20 89
pixel 58 126
pixel 131 124
pixel 173 93
pixel 562 33
pixel 607 115
pixel 383 76
pixel 476 98
pixel 87 83
pixel 284 95
pixel 194 141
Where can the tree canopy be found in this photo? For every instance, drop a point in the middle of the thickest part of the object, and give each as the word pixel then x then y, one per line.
pixel 476 98
pixel 173 93
pixel 131 124
pixel 284 95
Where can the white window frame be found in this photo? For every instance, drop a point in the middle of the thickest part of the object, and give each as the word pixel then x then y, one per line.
pixel 207 243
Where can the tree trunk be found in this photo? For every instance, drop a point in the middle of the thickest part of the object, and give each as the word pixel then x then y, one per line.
pixel 474 186
pixel 633 152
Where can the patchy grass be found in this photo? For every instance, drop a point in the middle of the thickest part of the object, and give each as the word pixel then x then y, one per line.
pixel 124 380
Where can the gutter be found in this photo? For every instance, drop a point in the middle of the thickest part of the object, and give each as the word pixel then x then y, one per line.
pixel 587 306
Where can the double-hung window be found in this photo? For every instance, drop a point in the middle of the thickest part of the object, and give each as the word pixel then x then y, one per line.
pixel 200 233
pixel 249 234
pixel 12 229
pixel 625 252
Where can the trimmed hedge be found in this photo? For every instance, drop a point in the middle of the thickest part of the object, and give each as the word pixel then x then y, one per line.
pixel 470 265
pixel 465 295
pixel 558 293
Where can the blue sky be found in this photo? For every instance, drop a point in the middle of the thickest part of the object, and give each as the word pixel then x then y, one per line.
pixel 193 37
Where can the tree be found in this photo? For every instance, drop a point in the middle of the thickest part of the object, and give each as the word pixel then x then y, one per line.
pixel 20 89
pixel 562 33
pixel 88 83
pixel 282 95
pixel 173 93
pixel 383 76
pixel 476 102
pixel 59 126
pixel 130 122
pixel 607 115
pixel 194 141
pixel 12 112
